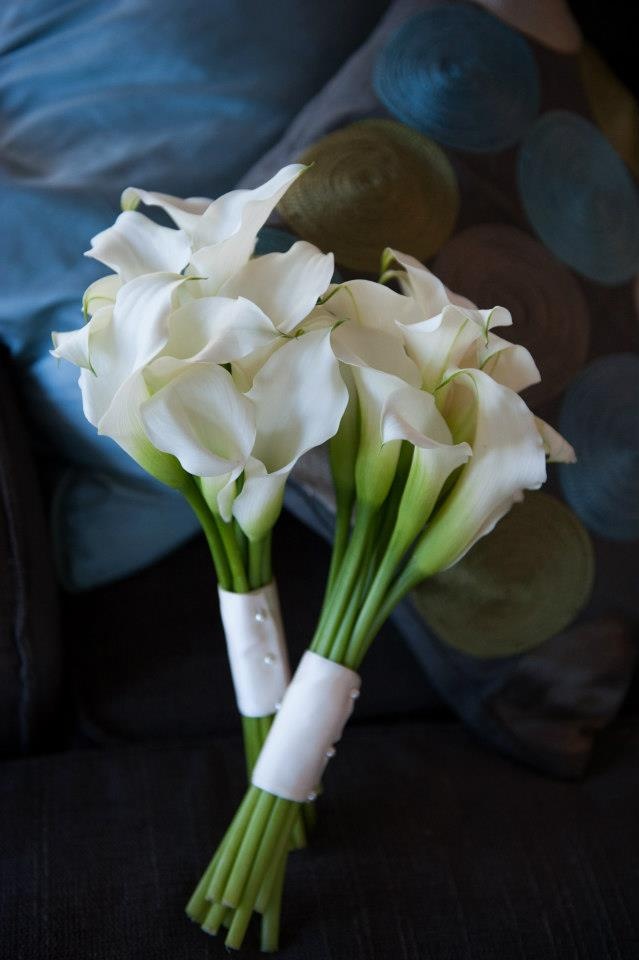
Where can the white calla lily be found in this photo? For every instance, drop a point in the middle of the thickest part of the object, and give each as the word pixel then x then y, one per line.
pixel 299 398
pixel 377 457
pixel 219 329
pixel 201 418
pixel 101 293
pixel 75 345
pixel 121 422
pixel 412 415
pixel 225 236
pixel 135 335
pixel 508 363
pixel 508 458
pixel 286 286
pixel 372 305
pixel 185 213
pixel 557 449
pixel 135 245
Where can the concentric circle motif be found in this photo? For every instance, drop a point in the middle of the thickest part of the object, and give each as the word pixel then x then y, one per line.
pixel 614 108
pixel 517 587
pixel 373 184
pixel 579 197
pixel 600 417
pixel 461 76
pixel 494 264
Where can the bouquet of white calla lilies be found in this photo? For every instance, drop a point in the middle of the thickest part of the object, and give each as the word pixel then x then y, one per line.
pixel 217 372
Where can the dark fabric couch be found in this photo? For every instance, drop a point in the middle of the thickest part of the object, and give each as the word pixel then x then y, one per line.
pixel 123 762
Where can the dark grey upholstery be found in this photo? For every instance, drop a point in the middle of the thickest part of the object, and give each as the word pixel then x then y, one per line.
pixel 30 666
pixel 452 854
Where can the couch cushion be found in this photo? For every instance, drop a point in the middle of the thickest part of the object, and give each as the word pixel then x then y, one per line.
pixel 29 642
pixel 427 847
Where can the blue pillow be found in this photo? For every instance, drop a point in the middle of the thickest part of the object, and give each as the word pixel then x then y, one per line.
pixel 180 98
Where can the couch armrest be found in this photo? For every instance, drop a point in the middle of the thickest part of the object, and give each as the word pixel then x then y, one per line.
pixel 29 639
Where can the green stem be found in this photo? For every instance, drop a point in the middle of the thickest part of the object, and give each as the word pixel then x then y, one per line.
pixel 344 505
pixel 198 504
pixel 270 932
pixel 233 556
pixel 267 566
pixel 198 906
pixel 271 830
pixel 256 551
pixel 349 571
pixel 251 840
pixel 408 579
pixel 230 845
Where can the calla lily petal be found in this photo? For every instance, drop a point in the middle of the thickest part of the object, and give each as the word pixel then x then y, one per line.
pixel 101 293
pixel 413 416
pixel 185 213
pixel 226 235
pixel 258 506
pixel 358 347
pixel 416 281
pixel 122 423
pixel 286 286
pixel 508 457
pixel 299 397
pixel 218 329
pixel 438 343
pixel 137 333
pixel 557 449
pixel 75 345
pixel 134 245
pixel 508 363
pixel 201 418
pixel 372 306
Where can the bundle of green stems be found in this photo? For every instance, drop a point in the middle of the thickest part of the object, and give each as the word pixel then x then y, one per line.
pixel 368 575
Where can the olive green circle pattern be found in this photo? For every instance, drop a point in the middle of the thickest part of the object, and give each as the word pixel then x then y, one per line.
pixel 517 587
pixel 373 184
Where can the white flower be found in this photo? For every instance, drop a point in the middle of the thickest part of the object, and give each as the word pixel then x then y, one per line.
pixel 299 398
pixel 475 377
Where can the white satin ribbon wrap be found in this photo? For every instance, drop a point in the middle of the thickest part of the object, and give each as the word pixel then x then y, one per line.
pixel 318 702
pixel 256 649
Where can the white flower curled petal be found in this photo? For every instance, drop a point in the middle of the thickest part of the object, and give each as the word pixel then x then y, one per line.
pixel 219 329
pixel 508 363
pixel 434 347
pixel 508 458
pixel 225 237
pixel 358 347
pixel 201 418
pixel 100 294
pixel 376 461
pixel 416 281
pixel 372 306
pixel 557 449
pixel 136 333
pixel 75 345
pixel 286 286
pixel 299 398
pixel 412 415
pixel 259 504
pixel 185 213
pixel 122 423
pixel 134 246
